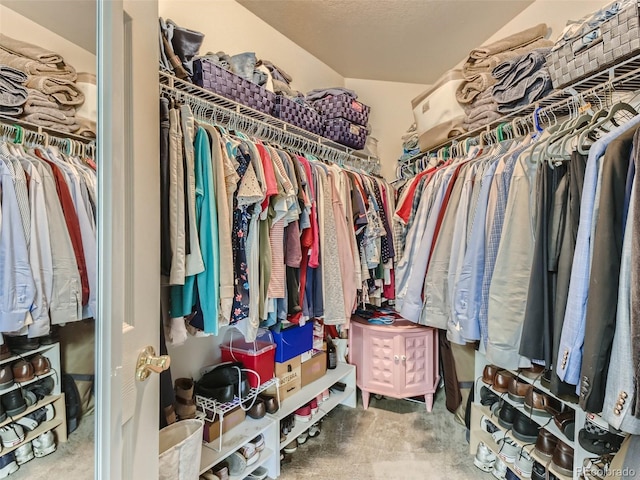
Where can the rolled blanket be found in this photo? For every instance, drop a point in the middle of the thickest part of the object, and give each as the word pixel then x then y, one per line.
pixel 62 91
pixel 533 87
pixel 485 98
pixel 9 111
pixel 28 50
pixel 479 112
pixel 45 120
pixel 469 90
pixel 512 71
pixel 11 94
pixel 12 74
pixel 490 63
pixel 33 67
pixel 511 42
pixel 483 119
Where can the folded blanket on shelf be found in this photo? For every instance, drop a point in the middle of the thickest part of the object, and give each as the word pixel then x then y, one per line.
pixel 86 127
pixel 512 71
pixel 490 63
pixel 12 74
pixel 10 111
pixel 63 91
pixel 277 72
pixel 319 93
pixel 481 119
pixel 529 89
pixel 468 91
pixel 34 67
pixel 12 93
pixel 483 99
pixel 28 50
pixel 511 42
pixel 50 121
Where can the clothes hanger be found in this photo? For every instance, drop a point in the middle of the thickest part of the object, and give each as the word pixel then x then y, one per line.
pixel 615 109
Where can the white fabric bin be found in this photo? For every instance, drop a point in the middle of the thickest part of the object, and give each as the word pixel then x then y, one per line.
pixel 180 450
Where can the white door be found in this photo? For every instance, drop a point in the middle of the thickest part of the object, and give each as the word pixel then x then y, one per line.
pixel 128 238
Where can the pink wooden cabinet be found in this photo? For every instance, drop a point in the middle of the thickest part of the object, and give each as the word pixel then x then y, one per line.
pixel 399 360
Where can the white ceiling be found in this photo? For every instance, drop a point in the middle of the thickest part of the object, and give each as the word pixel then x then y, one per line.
pixel 411 41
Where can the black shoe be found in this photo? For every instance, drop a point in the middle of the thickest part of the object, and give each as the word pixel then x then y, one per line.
pixel 22 344
pixel 507 415
pixel 524 428
pixel 487 397
pixel 14 403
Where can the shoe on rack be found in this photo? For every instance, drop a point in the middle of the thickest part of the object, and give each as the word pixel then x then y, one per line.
pixel 22 344
pixel 258 443
pixel 546 444
pixel 258 410
pixel 8 465
pixel 24 453
pixel 489 373
pixel 499 469
pixel 292 447
pixel 302 438
pixel 511 475
pixel 11 435
pixel 525 429
pixel 236 463
pixel 314 430
pixel 484 458
pixel 506 415
pixel 507 449
pixel 538 472
pixel 325 395
pixel 524 464
pixel 44 444
pixel 313 404
pixel 6 377
pixel 488 426
pixel 41 364
pixel 14 403
pixel 598 441
pixel 185 405
pixel 250 453
pixel 303 414
pixel 562 458
pixel 270 403
pixel 259 473
pixel 221 471
pixel 501 381
pixel 566 422
pixel 517 389
pixel 22 371
pixel 31 421
pixel 5 352
pixel 533 372
pixel 487 397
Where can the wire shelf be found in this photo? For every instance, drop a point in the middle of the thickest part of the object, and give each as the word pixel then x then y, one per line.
pixel 227 112
pixel 622 77
pixel 212 407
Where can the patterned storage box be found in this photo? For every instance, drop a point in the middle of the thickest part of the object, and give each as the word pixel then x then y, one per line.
pixel 213 77
pixel 613 40
pixel 296 114
pixel 343 106
pixel 346 133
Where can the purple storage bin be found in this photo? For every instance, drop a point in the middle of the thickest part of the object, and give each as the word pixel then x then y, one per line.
pixel 296 114
pixel 212 76
pixel 346 133
pixel 343 106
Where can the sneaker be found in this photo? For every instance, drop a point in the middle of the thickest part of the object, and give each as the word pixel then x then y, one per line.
pixel 292 447
pixel 44 444
pixel 11 435
pixel 508 449
pixel 258 443
pixel 484 458
pixel 487 425
pixel 303 438
pixel 524 465
pixel 35 418
pixel 319 398
pixel 24 453
pixel 303 414
pixel 314 430
pixel 259 473
pixel 499 469
pixel 8 465
pixel 313 404
pixel 325 395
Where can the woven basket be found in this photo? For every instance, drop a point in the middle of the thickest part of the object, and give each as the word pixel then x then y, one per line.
pixel 346 133
pixel 617 39
pixel 213 77
pixel 343 106
pixel 296 114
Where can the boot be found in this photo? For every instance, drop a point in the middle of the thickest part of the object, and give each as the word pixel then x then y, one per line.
pixel 185 406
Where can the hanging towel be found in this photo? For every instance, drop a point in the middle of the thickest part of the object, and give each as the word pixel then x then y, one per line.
pixel 62 91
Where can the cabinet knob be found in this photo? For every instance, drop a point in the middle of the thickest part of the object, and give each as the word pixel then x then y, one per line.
pixel 404 358
pixel 396 358
pixel 148 362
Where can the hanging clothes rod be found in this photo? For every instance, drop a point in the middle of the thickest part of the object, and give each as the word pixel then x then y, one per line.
pixel 218 110
pixel 596 90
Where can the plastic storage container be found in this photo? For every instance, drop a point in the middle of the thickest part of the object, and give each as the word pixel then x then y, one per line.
pixel 293 341
pixel 258 356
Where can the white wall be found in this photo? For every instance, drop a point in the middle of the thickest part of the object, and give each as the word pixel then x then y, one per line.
pixel 19 27
pixel 390 116
pixel 230 27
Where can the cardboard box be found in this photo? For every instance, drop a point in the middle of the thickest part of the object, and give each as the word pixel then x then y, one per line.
pixel 290 375
pixel 229 420
pixel 314 369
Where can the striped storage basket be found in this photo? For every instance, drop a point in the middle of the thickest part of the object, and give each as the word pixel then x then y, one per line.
pixel 614 40
pixel 213 77
pixel 299 115
pixel 343 106
pixel 346 133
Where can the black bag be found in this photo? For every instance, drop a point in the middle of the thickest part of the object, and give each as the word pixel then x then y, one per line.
pixel 72 402
pixel 224 382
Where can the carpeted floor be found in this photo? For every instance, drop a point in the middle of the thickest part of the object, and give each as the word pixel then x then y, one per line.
pixel 392 440
pixel 73 460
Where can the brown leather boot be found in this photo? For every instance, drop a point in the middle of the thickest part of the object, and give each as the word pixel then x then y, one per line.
pixel 185 405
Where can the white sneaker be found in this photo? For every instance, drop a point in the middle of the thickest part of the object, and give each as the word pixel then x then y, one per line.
pixel 11 435
pixel 44 444
pixel 484 458
pixel 8 465
pixel 507 449
pixel 24 453
pixel 499 469
pixel 524 464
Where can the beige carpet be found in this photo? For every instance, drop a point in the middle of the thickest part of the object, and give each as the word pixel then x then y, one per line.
pixel 392 440
pixel 73 460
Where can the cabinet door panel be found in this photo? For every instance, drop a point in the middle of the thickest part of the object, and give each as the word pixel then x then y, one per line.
pixel 380 367
pixel 416 367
